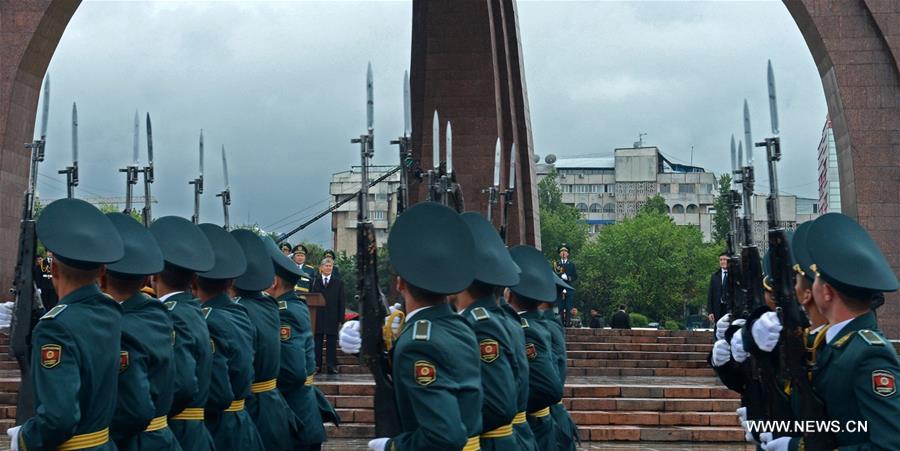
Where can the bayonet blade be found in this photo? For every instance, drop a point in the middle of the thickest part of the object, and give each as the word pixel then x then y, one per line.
pixel 225 169
pixel 149 141
pixel 748 138
pixel 734 160
pixel 137 132
pixel 201 152
pixel 773 105
pixel 407 106
pixel 436 142
pixel 449 148
pixel 740 153
pixel 370 101
pixel 496 183
pixel 45 108
pixel 74 134
pixel 512 167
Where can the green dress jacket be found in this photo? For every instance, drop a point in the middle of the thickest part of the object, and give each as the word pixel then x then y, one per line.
pixel 233 336
pixel 437 382
pixel 544 385
pixel 497 359
pixel 568 431
pixel 75 369
pixel 298 365
pixel 856 375
pixel 193 366
pixel 268 409
pixel 146 377
pixel 514 326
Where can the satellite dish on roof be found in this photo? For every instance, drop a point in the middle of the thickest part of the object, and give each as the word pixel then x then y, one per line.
pixel 537 158
pixel 550 159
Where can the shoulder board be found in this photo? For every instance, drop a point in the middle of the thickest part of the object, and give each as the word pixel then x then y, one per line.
pixel 237 300
pixel 206 311
pixel 170 305
pixel 480 314
pixel 872 338
pixel 282 305
pixel 843 340
pixel 54 311
pixel 309 266
pixel 524 323
pixel 422 330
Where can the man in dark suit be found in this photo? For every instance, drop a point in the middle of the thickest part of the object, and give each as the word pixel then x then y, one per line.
pixel 715 297
pixel 329 317
pixel 620 319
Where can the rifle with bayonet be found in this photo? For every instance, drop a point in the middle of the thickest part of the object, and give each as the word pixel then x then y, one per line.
pixel 71 172
pixel 27 307
pixel 146 212
pixel 734 297
pixel 198 185
pixel 493 191
pixel 131 171
pixel 443 187
pixel 376 339
pixel 792 353
pixel 226 193
pixel 508 195
pixel 403 142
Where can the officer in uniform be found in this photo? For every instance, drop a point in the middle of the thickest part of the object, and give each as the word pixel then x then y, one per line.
pixel 567 272
pixel 855 371
pixel 536 285
pixel 147 361
pixel 186 251
pixel 268 409
pixel 232 340
pixel 568 431
pixel 515 327
pixel 298 360
pixel 436 360
pixel 478 304
pixel 76 345
pixel 304 283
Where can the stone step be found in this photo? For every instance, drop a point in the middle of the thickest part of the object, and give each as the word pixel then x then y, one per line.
pixel 637 363
pixel 636 355
pixel 651 404
pixel 627 372
pixel 650 418
pixel 652 347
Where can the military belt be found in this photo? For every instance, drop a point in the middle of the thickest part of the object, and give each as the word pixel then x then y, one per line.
pixel 190 413
pixel 540 413
pixel 472 444
pixel 264 386
pixel 309 380
pixel 84 441
pixel 500 432
pixel 520 418
pixel 157 424
pixel 236 406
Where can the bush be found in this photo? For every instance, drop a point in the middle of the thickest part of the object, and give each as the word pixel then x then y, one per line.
pixel 638 320
pixel 672 325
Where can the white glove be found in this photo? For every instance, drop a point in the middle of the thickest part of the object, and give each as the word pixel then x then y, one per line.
pixel 779 444
pixel 6 310
pixel 766 331
pixel 13 434
pixel 741 413
pixel 564 277
pixel 395 324
pixel 378 444
pixel 721 353
pixel 737 347
pixel 722 325
pixel 349 337
pixel 742 416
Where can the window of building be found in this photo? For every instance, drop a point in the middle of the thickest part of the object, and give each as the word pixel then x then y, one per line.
pixel 582 207
pixel 664 188
pixel 566 188
pixel 686 188
pixel 691 208
pixel 678 208
pixel 595 208
pixel 609 208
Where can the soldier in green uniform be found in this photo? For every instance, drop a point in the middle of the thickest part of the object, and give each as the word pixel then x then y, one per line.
pixel 147 361
pixel 298 361
pixel 185 251
pixel 566 270
pixel 536 285
pixel 478 305
pixel 76 347
pixel 436 361
pixel 855 371
pixel 308 272
pixel 274 419
pixel 568 431
pixel 232 339
pixel 515 327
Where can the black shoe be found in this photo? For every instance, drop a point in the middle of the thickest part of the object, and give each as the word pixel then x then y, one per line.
pixel 332 371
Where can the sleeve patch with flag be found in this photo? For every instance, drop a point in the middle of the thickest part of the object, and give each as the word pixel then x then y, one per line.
pixel 883 383
pixel 425 372
pixel 285 332
pixel 123 361
pixel 531 351
pixel 490 350
pixel 50 355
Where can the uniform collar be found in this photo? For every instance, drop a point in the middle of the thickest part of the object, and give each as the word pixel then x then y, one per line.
pixel 168 295
pixel 864 321
pixel 290 295
pixel 135 301
pixel 535 314
pixel 431 312
pixel 219 300
pixel 81 294
pixel 486 302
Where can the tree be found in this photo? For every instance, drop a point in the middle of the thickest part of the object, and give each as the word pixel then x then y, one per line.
pixel 721 224
pixel 107 207
pixel 560 223
pixel 655 204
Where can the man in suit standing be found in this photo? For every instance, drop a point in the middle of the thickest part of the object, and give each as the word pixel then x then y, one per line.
pixel 330 317
pixel 620 319
pixel 715 296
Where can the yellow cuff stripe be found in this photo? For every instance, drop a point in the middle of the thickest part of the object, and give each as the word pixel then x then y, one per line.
pixel 502 431
pixel 540 413
pixel 236 406
pixel 473 444
pixel 157 424
pixel 520 418
pixel 83 441
pixel 309 380
pixel 190 413
pixel 264 386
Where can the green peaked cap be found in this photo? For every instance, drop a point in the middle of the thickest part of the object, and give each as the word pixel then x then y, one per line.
pixel 230 262
pixel 79 234
pixel 260 273
pixel 493 264
pixel 142 254
pixel 536 280
pixel 183 244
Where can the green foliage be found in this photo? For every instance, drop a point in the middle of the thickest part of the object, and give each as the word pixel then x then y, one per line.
pixel 349 274
pixel 648 263
pixel 655 204
pixel 721 224
pixel 638 320
pixel 106 207
pixel 672 325
pixel 560 223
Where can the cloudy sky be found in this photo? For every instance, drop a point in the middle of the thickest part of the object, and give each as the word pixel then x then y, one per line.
pixel 282 86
